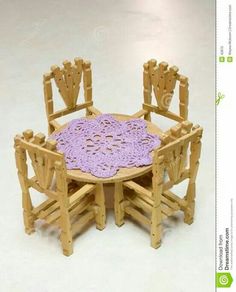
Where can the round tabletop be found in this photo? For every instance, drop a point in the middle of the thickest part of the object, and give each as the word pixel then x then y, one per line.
pixel 123 174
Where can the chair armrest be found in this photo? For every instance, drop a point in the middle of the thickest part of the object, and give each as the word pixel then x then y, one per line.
pixel 140 113
pixel 93 110
pixel 55 124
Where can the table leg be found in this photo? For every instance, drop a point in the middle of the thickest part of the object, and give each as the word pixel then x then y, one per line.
pixel 118 199
pixel 100 202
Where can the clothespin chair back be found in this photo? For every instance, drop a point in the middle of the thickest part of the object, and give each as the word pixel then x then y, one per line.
pixel 161 81
pixel 65 199
pixel 68 82
pixel 151 201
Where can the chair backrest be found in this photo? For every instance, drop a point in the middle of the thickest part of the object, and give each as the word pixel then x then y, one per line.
pixel 67 80
pixel 178 158
pixel 162 81
pixel 48 164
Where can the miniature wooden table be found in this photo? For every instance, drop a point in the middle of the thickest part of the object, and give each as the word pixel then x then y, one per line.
pixel 123 174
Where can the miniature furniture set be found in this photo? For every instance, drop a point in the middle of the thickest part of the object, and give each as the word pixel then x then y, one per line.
pixel 78 158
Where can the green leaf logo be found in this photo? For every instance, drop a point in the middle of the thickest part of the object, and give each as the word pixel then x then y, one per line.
pixel 220 96
pixel 223 280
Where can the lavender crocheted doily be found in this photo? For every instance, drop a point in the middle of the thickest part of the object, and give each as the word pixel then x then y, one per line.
pixel 102 145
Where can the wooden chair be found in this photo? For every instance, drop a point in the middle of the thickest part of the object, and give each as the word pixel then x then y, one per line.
pixel 66 201
pixel 67 80
pixel 150 200
pixel 162 81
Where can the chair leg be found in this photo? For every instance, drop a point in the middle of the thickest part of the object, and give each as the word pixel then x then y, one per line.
pixel 28 222
pixel 100 202
pixel 118 199
pixel 66 234
pixel 21 165
pixel 156 227
pixel 191 191
pixel 190 208
pixel 28 217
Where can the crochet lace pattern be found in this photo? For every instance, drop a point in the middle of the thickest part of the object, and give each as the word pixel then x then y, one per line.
pixel 103 145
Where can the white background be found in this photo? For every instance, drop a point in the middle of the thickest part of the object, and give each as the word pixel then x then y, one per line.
pixel 118 37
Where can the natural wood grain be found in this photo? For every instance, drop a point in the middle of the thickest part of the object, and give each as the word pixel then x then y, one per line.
pixel 137 215
pixel 118 199
pixel 140 113
pixel 150 199
pixel 67 81
pixel 81 193
pixel 87 81
pixel 100 203
pixel 147 89
pixel 163 80
pixel 137 188
pixel 65 200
